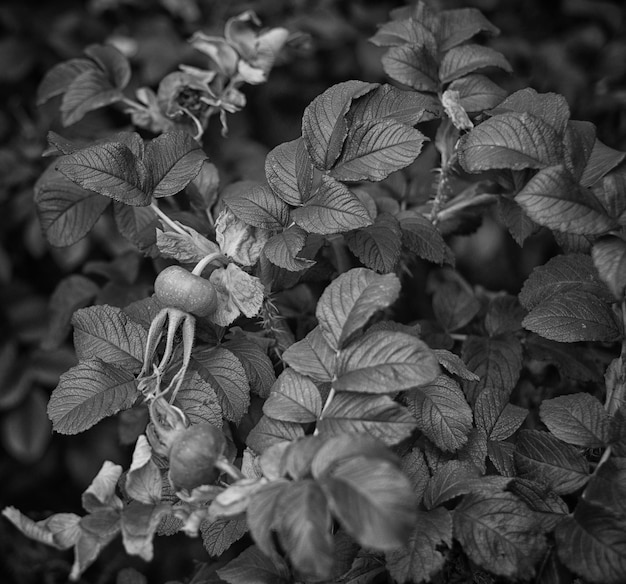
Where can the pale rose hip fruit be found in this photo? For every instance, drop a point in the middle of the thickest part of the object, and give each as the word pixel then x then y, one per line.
pixel 193 455
pixel 175 287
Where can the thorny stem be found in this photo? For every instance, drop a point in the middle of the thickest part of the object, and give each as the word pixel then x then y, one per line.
pixel 441 196
pixel 167 220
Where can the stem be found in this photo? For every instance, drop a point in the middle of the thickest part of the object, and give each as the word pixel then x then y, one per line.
pixel 132 103
pixel 167 220
pixel 206 260
pixel 449 212
pixel 231 470
pixel 329 398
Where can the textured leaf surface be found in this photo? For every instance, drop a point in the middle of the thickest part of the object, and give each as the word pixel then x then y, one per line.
pixel 89 392
pixel 89 91
pixel 477 92
pixel 460 61
pixel 421 237
pixel 412 65
pixel 378 245
pixel 282 249
pixel 607 486
pixel 219 535
pixel 402 32
pixel 281 174
pixel 198 400
pixel 454 364
pixel 294 398
pixel 609 258
pixel 495 416
pixel 269 432
pixel 312 356
pixel 259 367
pixel 256 205
pixel 252 565
pixel 460 25
pixel 519 224
pixel 59 78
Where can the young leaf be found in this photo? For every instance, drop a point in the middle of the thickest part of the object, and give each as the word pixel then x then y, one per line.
pixel 324 127
pixel 378 416
pixel 351 300
pixel 421 237
pixel 254 566
pixel 460 61
pixel 592 543
pixel 107 333
pixel 408 31
pixel 60 77
pixel 543 458
pixel 424 555
pixel 294 398
pixel 256 205
pixel 514 141
pixel 373 500
pixel 412 65
pixel 269 432
pixel 221 534
pixel 609 258
pixel 477 92
pixel 554 199
pixel 312 356
pixel 441 412
pixel 283 248
pixel 498 532
pixel 577 419
pixel 460 25
pixel 89 392
pixel 377 246
pixel 385 362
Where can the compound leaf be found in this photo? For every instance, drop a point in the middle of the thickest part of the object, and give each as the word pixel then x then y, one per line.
pixel 312 356
pixel 256 205
pixel 294 398
pixel 378 245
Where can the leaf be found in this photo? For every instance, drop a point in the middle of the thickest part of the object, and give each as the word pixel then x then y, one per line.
pixel 402 32
pixel 547 505
pixel 562 274
pixel 289 172
pixel 89 392
pixel 221 534
pixel 333 209
pixel 100 494
pixel 389 102
pixel 543 458
pixel 261 513
pixel 294 398
pixel 198 399
pixel 519 224
pixel 554 199
pixel 460 25
pixel 424 556
pixel 504 315
pixel 454 364
pixel 111 169
pixel 496 360
pixel 283 248
pixel 60 530
pixel 253 566
pixel 66 211
pixel 421 237
pixel 477 92
pixel 60 77
pixel 577 419
pixel 441 412
pixel 113 62
pixel 378 416
pixel 607 486
pixel 385 362
pixel 415 467
pixel 609 258
pixel 373 500
pixel 498 533
pixel 258 366
pixel 268 432
pixel 143 481
pixel 601 161
pixel 412 65
pixel 324 127
pixel 173 160
pixel 89 91
pixel 378 245
pixel 592 543
pixel 256 205
pixel 578 139
pixel 454 304
pixel 374 149
pixel 573 315
pixel 513 141
pixel 312 356
pixel 349 302
pixel 105 332
pixel 460 61
pixel 226 375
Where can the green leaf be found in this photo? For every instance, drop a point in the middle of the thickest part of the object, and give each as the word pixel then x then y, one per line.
pixel 312 356
pixel 460 61
pixel 496 360
pixel 283 248
pixel 197 398
pixel 574 315
pixel 415 467
pixel 324 126
pixel 421 237
pixel 495 415
pixel 256 205
pixel 112 62
pixel 89 392
pixel 261 513
pixel 294 398
pixel 441 412
pixel 377 246
pixel 385 362
pixel 226 375
pixel 460 25
pixel 609 258
pixel 541 457
pixel 89 91
pixel 60 77
pixel 454 364
pixel 349 302
pixel 514 141
pixel 498 532
pixel 519 224
pixel 403 32
pixel 577 419
pixel 105 332
pixel 378 416
pixel 454 303
pixel 412 65
pixel 477 92
pixel 289 172
pixel 221 534
pixel 601 161
pixel 375 149
pixel 373 500
pixel 259 367
pixel 547 505
pixel 268 432
pixel 579 139
pixel 607 486
pixel 554 199
pixel 592 543
pixel 254 566
pixel 504 315
pixel 424 556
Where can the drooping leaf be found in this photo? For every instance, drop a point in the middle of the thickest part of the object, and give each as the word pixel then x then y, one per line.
pixel 253 566
pixel 256 205
pixel 385 362
pixel 412 65
pixel 312 356
pixel 107 333
pixel 577 419
pixel 460 61
pixel 283 248
pixel 514 141
pixel 477 92
pixel 424 556
pixel 324 126
pixel 460 25
pixel 351 300
pixel 441 412
pixel 543 458
pixel 294 398
pixel 89 392
pixel 497 532
pixel 139 523
pixel 609 258
pixel 378 416
pixel 422 238
pixel 100 494
pixel 333 209
pixel 269 431
pixel 375 149
pixel 378 245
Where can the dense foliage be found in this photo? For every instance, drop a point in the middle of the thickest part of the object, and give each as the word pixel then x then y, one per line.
pixel 303 363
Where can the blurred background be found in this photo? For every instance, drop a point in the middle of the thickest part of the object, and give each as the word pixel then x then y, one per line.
pixel 573 47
